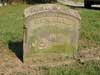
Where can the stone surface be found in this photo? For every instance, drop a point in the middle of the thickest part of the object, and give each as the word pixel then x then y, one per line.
pixel 50 29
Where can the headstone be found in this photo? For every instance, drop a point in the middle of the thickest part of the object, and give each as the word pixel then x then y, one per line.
pixel 50 30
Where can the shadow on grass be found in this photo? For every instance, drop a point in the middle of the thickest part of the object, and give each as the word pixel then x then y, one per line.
pixel 17 48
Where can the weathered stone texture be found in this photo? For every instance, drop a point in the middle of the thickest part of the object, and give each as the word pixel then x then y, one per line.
pixel 51 28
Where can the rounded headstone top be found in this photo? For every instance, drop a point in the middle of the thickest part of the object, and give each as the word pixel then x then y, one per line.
pixel 36 9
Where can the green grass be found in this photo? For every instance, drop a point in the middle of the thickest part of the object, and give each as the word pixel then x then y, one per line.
pixel 90 28
pixel 88 68
pixel 11 29
pixel 11 23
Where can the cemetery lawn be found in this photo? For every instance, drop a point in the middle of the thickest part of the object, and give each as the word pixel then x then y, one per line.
pixel 12 19
pixel 11 23
pixel 90 28
pixel 11 30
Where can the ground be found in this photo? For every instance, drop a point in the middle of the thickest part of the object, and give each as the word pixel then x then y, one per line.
pixel 11 35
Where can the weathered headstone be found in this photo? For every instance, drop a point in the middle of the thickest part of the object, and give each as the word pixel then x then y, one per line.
pixel 51 29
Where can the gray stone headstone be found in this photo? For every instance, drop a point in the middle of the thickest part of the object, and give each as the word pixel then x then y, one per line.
pixel 50 29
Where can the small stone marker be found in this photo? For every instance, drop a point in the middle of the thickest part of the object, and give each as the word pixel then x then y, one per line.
pixel 50 29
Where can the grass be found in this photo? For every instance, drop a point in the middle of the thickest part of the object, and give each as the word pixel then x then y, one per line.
pixel 11 29
pixel 88 68
pixel 11 23
pixel 90 28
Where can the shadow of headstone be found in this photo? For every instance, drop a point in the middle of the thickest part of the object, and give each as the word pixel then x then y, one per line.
pixel 17 48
